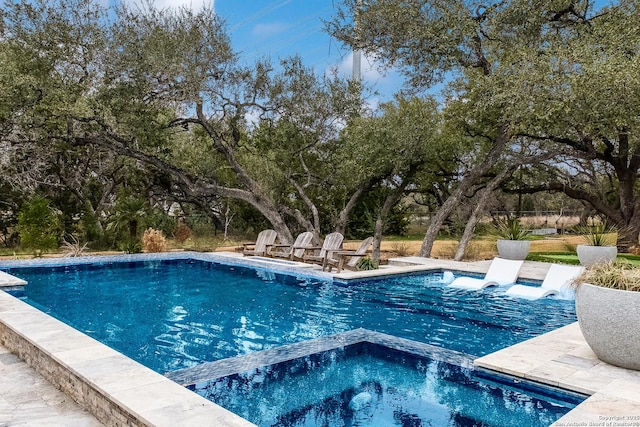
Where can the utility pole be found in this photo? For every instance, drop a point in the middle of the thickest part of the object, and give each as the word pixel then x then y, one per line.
pixel 356 75
pixel 356 72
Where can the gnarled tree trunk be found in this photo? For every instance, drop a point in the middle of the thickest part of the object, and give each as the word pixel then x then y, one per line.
pixel 481 204
pixel 454 199
pixel 389 202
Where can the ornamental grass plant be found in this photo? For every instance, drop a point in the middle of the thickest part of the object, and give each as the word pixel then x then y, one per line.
pixel 153 241
pixel 614 275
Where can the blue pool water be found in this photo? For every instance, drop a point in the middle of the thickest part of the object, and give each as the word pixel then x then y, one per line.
pixel 174 314
pixel 372 386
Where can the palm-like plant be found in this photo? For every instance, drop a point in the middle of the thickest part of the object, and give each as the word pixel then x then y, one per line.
pixel 128 213
pixel 511 229
pixel 599 234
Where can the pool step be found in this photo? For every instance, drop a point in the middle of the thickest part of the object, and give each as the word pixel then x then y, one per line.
pixel 7 279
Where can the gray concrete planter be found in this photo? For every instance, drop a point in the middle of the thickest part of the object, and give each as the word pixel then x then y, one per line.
pixel 513 249
pixel 609 320
pixel 590 255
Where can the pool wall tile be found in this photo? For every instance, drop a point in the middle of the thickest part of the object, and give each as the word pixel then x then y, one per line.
pixel 261 264
pixel 229 258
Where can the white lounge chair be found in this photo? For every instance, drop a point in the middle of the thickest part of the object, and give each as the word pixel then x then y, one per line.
pixel 501 272
pixel 558 277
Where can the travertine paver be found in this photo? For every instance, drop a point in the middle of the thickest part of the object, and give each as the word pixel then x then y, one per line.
pixel 27 399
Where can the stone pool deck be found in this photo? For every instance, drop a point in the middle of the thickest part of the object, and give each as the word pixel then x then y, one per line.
pixel 27 399
pixel 122 392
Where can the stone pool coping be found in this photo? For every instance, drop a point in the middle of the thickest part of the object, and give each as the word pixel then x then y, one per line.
pixel 27 399
pixel 120 391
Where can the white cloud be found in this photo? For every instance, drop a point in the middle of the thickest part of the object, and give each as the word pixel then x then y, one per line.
pixel 372 104
pixel 252 118
pixel 268 30
pixel 163 4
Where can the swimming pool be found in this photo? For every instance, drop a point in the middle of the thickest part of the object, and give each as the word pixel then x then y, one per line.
pixel 173 314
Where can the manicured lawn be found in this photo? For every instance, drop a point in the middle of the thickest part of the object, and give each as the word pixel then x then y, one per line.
pixel 572 258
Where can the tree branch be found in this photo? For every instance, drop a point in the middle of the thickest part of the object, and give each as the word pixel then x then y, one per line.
pixel 575 193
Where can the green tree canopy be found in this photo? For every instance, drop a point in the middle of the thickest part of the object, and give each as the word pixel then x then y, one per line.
pixel 559 77
pixel 163 88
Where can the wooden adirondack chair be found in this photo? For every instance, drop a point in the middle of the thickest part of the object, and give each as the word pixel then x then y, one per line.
pixel 332 242
pixel 262 245
pixel 339 259
pixel 303 241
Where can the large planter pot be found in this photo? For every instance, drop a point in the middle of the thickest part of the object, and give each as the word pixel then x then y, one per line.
pixel 590 255
pixel 513 249
pixel 609 320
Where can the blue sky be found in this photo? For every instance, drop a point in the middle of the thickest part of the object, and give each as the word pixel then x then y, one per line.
pixel 282 28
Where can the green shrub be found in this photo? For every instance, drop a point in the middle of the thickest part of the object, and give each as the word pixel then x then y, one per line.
pixel 131 246
pixel 367 264
pixel 39 225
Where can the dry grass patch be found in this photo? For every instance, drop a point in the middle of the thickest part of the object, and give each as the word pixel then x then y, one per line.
pixel 153 241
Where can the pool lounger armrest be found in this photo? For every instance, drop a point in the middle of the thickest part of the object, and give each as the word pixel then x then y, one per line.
pixel 472 283
pixel 529 292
